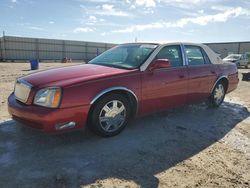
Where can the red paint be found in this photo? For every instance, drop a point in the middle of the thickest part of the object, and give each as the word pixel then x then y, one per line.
pixel 71 75
pixel 157 89
pixel 200 81
pixel 164 88
pixel 160 63
pixel 44 118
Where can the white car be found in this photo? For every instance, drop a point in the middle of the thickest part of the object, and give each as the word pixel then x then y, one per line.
pixel 238 59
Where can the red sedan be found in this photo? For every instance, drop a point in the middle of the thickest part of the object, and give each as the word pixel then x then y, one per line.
pixel 125 81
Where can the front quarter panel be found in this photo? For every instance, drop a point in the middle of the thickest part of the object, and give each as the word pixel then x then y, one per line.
pixel 83 93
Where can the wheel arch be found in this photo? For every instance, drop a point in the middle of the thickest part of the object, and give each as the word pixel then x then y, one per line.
pixel 224 80
pixel 129 94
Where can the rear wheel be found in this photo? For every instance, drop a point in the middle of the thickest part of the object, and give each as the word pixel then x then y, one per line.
pixel 217 96
pixel 110 115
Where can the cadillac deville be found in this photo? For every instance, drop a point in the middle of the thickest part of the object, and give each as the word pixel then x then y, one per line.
pixel 126 81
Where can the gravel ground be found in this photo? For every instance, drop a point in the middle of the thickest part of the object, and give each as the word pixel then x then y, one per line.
pixel 192 146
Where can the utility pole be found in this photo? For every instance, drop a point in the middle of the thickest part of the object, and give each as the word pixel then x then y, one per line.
pixel 4 50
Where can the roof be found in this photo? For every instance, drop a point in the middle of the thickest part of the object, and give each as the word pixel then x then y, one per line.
pixel 166 43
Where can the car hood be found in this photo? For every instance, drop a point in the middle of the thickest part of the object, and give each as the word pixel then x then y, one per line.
pixel 72 74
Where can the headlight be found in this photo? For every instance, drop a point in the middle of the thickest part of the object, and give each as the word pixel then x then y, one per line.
pixel 48 97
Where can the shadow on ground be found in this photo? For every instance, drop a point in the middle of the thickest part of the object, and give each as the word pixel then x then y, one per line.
pixel 148 146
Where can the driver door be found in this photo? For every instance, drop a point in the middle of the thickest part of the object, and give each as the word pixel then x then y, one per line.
pixel 165 87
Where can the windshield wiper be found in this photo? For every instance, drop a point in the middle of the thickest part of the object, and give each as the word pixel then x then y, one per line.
pixel 114 66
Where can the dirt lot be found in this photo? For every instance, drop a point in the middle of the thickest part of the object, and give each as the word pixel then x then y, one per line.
pixel 193 146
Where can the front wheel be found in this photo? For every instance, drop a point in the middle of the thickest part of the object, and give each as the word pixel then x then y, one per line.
pixel 110 115
pixel 217 96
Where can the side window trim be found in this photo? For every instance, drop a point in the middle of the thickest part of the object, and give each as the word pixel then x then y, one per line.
pixel 184 55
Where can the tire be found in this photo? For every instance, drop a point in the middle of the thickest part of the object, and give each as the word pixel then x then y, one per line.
pixel 110 115
pixel 217 96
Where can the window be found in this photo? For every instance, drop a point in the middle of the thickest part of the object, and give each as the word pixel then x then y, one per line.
pixel 173 54
pixel 120 55
pixel 194 55
pixel 207 60
pixel 128 56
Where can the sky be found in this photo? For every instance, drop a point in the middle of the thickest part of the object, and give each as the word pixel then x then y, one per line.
pixel 120 21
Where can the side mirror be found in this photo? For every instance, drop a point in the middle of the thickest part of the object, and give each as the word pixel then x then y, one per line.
pixel 159 63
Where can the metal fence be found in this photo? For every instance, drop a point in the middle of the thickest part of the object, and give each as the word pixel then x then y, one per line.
pixel 227 48
pixel 20 48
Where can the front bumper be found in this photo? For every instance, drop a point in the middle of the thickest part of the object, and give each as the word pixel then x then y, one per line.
pixel 47 119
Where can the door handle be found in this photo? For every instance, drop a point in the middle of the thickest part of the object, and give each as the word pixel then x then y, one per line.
pixel 213 72
pixel 181 76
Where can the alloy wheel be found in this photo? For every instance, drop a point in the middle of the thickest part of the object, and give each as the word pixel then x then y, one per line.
pixel 219 94
pixel 112 115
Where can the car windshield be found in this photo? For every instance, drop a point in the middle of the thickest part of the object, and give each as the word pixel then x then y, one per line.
pixel 234 56
pixel 127 56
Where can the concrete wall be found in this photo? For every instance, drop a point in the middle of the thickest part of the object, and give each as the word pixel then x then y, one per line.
pixel 20 48
pixel 231 47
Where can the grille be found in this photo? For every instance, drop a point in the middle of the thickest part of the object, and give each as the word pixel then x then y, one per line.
pixel 22 90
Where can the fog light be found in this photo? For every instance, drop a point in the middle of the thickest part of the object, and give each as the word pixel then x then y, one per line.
pixel 68 125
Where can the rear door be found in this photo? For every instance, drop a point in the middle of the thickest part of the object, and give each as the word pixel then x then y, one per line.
pixel 201 72
pixel 166 87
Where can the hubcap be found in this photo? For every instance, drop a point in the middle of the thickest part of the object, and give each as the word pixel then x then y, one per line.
pixel 219 94
pixel 112 116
